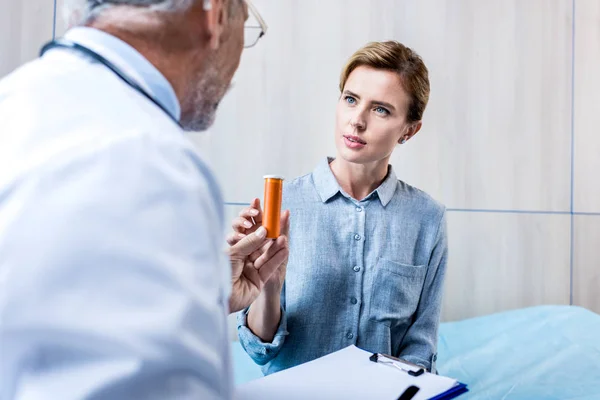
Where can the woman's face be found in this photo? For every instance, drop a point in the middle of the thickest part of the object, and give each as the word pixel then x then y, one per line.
pixel 371 116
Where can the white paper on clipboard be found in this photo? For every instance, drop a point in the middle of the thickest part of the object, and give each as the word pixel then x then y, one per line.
pixel 345 374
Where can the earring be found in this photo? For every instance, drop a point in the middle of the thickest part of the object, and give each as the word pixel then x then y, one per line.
pixel 207 5
pixel 403 141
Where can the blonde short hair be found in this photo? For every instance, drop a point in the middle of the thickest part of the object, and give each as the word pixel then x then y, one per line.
pixel 394 56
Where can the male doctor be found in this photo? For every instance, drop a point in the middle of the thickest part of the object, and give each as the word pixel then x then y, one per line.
pixel 113 283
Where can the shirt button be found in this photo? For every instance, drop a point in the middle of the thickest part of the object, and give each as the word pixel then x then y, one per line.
pixel 356 237
pixel 356 268
pixel 353 300
pixel 358 209
pixel 350 335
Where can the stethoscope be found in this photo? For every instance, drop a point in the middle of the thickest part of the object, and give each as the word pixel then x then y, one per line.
pixel 67 44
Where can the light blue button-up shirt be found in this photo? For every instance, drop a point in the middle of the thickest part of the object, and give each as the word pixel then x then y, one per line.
pixel 367 273
pixel 113 283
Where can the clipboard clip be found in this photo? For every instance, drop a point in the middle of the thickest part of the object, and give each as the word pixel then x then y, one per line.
pixel 396 362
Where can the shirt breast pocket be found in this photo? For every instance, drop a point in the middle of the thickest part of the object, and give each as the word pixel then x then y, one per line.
pixel 396 291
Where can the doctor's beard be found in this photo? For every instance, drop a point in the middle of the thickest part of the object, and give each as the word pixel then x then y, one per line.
pixel 199 111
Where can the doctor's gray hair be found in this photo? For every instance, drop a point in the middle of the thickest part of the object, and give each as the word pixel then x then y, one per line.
pixel 78 12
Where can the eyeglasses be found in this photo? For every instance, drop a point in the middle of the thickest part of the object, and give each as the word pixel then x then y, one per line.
pixel 253 33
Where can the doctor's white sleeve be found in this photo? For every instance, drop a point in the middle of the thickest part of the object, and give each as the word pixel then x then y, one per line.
pixel 115 286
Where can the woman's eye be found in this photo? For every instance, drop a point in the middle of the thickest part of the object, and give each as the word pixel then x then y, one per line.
pixel 350 100
pixel 381 110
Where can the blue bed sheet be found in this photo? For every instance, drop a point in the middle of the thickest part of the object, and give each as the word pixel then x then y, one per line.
pixel 545 352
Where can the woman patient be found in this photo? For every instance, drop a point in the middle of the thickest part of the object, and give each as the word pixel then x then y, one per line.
pixel 368 252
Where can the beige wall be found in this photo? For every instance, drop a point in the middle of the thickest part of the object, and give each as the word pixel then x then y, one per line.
pixel 500 145
pixel 586 182
pixel 25 25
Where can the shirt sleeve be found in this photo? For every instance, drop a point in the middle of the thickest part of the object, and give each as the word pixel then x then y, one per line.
pixel 113 282
pixel 262 352
pixel 420 343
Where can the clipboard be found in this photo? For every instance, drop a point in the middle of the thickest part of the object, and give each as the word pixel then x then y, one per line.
pixel 351 375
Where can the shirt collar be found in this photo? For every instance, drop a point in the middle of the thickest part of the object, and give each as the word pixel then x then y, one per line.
pixel 132 63
pixel 327 185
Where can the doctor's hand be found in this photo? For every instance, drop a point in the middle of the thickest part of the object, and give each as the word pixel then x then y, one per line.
pixel 248 221
pixel 257 263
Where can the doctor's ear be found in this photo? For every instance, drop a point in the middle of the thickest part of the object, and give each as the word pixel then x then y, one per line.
pixel 410 131
pixel 215 20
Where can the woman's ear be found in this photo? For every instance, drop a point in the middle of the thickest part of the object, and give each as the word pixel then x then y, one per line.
pixel 410 131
